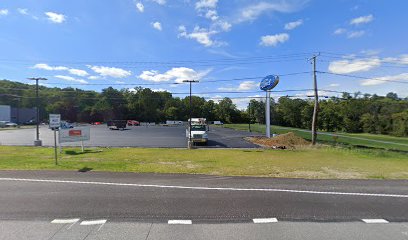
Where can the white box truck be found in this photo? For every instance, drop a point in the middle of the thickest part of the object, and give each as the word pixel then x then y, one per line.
pixel 198 130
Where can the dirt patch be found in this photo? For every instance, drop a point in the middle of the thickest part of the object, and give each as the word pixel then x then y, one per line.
pixel 284 141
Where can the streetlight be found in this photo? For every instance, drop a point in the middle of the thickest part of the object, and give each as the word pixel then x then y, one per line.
pixel 190 145
pixel 37 142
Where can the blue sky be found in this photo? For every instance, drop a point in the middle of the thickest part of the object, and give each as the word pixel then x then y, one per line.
pixel 160 42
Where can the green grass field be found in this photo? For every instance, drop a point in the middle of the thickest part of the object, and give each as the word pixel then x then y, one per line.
pixel 353 139
pixel 321 162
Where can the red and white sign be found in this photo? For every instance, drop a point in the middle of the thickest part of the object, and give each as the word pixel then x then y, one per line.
pixel 76 134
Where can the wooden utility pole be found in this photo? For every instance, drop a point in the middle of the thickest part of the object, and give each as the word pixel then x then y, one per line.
pixel 316 102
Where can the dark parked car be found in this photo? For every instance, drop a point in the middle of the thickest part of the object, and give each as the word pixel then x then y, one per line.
pixel 117 124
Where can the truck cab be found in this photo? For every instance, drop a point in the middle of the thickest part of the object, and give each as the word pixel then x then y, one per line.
pixel 198 131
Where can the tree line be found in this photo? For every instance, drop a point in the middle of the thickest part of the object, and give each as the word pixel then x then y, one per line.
pixel 351 113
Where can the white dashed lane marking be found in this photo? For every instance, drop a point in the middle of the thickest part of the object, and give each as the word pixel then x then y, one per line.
pixel 375 221
pixel 265 220
pixel 179 222
pixel 94 222
pixel 65 221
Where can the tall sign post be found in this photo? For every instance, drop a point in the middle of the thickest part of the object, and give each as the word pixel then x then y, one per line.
pixel 267 84
pixel 55 123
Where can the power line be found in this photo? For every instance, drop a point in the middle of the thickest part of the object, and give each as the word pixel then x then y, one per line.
pixel 368 78
pixel 234 59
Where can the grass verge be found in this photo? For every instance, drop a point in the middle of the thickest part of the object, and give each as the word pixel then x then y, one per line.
pixel 323 162
pixel 353 139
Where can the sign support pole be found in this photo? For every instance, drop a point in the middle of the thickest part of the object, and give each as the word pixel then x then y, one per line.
pixel 55 146
pixel 82 146
pixel 268 114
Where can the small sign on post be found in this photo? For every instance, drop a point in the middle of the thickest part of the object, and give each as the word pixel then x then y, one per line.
pixel 55 123
pixel 77 134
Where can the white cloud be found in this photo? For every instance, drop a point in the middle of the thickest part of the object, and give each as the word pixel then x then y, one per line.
pixel 356 65
pixel 293 25
pixel 78 72
pixel 253 11
pixel 340 31
pixel 383 80
pixel 140 7
pixel 55 17
pixel 206 4
pixel 355 34
pixel 175 74
pixel 402 59
pixel 22 11
pixel 71 79
pixel 334 85
pixel 119 82
pixel 362 20
pixel 243 86
pixel 201 35
pixel 4 12
pixel 212 14
pixel 157 25
pixel 47 67
pixel 110 71
pixel 222 25
pixel 94 77
pixel 73 71
pixel 161 2
pixel 274 40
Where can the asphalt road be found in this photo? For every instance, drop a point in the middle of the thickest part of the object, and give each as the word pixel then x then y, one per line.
pixel 138 136
pixel 199 198
pixel 100 205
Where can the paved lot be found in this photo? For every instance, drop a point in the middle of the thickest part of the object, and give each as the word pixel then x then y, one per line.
pixel 138 136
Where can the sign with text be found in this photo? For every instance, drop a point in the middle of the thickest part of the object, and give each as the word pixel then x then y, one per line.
pixel 75 134
pixel 55 120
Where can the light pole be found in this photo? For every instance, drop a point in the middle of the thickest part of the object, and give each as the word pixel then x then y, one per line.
pixel 190 144
pixel 37 142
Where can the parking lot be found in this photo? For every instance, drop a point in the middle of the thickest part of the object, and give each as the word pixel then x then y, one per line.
pixel 135 136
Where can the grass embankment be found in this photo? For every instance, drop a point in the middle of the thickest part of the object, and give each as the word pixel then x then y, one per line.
pixel 17 128
pixel 324 162
pixel 353 139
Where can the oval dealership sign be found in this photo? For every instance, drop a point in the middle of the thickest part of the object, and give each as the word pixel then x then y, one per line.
pixel 269 82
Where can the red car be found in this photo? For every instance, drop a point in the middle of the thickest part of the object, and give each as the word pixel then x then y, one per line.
pixel 133 123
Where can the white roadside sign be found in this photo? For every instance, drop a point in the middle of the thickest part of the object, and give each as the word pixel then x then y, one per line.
pixel 76 134
pixel 55 120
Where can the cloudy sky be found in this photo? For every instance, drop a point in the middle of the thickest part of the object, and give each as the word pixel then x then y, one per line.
pixel 229 45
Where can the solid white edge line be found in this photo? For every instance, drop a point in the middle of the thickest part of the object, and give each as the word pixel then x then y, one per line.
pixel 180 222
pixel 65 221
pixel 93 222
pixel 375 221
pixel 210 188
pixel 265 220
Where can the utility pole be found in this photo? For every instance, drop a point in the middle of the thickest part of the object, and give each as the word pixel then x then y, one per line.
pixel 37 141
pixel 190 143
pixel 316 102
pixel 249 113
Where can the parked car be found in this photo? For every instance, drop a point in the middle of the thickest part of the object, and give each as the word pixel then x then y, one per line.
pixel 96 123
pixel 117 124
pixel 10 124
pixel 65 125
pixel 133 123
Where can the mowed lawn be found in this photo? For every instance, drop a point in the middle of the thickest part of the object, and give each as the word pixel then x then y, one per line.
pixel 322 162
pixel 353 139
